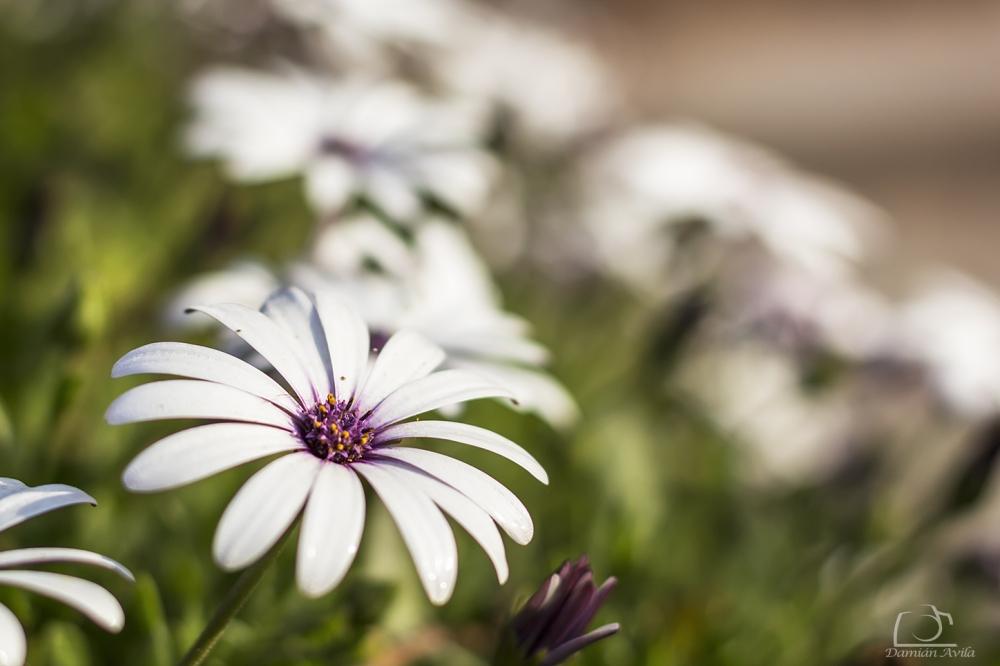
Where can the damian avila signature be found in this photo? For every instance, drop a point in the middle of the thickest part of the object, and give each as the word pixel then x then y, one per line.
pixel 931 646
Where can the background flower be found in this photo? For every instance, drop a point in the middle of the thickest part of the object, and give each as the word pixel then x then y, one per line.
pixel 383 141
pixel 437 286
pixel 644 190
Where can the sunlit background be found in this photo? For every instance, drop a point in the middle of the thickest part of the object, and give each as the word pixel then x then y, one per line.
pixel 758 239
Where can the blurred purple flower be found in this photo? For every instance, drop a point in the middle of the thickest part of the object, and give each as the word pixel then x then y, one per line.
pixel 550 627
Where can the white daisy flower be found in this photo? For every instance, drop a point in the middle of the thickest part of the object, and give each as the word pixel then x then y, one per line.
pixel 335 425
pixel 19 503
pixel 638 188
pixel 384 141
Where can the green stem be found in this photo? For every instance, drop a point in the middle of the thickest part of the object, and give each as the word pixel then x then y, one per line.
pixel 232 603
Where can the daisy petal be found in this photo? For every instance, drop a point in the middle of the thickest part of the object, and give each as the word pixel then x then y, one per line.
pixel 18 502
pixel 196 362
pixel 270 342
pixel 536 392
pixel 329 182
pixel 435 390
pixel 193 399
pixel 197 453
pixel 406 357
pixel 331 530
pixel 392 194
pixel 89 598
pixel 496 346
pixel 263 509
pixel 347 340
pixel 23 556
pixel 480 487
pixel 466 513
pixel 571 647
pixel 292 310
pixel 467 434
pixel 425 530
pixel 13 642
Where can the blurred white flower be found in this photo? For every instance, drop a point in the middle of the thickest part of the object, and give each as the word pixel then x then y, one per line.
pixel 245 282
pixel 439 288
pixel 385 141
pixel 362 33
pixel 952 327
pixel 19 503
pixel 640 187
pixel 336 424
pixel 444 291
pixel 794 309
pixel 756 394
pixel 554 89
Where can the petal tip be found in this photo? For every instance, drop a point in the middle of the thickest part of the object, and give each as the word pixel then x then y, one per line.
pixel 132 480
pixel 116 625
pixel 228 565
pixel 310 590
pixel 440 598
pixel 86 498
pixel 524 536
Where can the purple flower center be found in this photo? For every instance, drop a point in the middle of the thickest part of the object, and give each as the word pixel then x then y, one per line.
pixel 349 151
pixel 378 340
pixel 333 431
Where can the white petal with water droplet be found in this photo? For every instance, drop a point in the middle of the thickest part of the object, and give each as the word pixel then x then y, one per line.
pixel 331 529
pixel 477 485
pixel 13 642
pixel 348 342
pixel 467 513
pixel 425 530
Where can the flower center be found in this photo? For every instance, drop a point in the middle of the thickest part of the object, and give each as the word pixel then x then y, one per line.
pixel 333 431
pixel 341 148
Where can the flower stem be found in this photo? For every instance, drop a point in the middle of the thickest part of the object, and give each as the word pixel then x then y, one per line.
pixel 231 605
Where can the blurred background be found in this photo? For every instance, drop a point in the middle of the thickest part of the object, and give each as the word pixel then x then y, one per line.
pixel 896 99
pixel 789 417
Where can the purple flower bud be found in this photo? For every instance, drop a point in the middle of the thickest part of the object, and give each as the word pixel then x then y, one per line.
pixel 550 628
